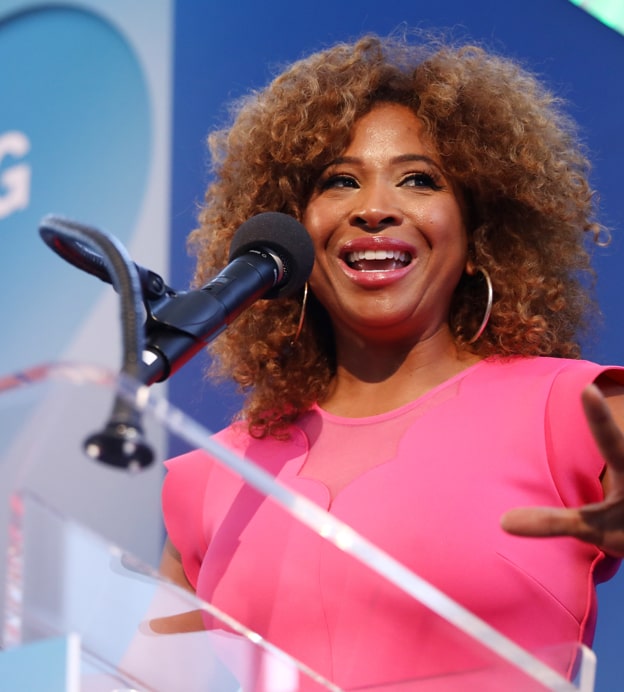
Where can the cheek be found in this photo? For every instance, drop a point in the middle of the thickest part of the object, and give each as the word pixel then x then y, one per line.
pixel 447 225
pixel 310 220
pixel 322 284
pixel 321 239
pixel 318 279
pixel 320 218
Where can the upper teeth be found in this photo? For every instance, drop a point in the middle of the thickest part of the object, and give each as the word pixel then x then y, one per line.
pixel 358 255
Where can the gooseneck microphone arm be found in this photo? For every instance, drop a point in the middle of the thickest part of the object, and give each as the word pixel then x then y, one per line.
pixel 121 442
pixel 70 240
pixel 271 256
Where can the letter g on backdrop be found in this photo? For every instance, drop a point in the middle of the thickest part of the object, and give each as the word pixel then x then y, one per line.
pixel 14 181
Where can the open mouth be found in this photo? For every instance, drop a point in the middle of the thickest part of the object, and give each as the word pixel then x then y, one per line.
pixel 377 260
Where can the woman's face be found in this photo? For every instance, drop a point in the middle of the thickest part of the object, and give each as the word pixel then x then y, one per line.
pixel 388 231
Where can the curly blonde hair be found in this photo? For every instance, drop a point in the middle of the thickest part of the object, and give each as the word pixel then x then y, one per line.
pixel 504 140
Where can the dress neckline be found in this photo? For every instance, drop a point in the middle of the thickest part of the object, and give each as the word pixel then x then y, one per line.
pixel 400 410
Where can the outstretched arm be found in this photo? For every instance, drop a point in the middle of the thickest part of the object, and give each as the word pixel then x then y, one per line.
pixel 600 523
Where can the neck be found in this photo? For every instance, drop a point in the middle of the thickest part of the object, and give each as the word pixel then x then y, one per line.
pixel 375 378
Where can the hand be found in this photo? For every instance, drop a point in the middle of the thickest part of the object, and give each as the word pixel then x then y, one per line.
pixel 601 523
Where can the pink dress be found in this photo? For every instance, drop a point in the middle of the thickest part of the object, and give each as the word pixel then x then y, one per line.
pixel 501 434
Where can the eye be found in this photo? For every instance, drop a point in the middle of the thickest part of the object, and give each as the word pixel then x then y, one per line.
pixel 421 180
pixel 338 181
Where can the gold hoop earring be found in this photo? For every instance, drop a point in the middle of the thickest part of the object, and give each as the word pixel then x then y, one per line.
pixel 304 302
pixel 488 307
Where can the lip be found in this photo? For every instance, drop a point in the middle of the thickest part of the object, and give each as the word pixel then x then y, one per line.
pixel 376 279
pixel 377 242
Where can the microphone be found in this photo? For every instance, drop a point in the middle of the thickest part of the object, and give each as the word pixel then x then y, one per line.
pixel 271 256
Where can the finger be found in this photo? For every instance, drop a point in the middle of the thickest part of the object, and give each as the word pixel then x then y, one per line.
pixel 545 521
pixel 598 524
pixel 190 621
pixel 608 436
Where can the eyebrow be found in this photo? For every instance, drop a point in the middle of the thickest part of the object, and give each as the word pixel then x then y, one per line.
pixel 403 158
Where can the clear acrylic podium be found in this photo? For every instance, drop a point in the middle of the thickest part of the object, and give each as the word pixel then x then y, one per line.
pixel 82 608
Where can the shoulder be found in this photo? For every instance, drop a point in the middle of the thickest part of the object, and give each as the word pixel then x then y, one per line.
pixel 563 372
pixel 199 462
pixel 189 474
pixel 553 385
pixel 574 375
pixel 198 466
pixel 564 379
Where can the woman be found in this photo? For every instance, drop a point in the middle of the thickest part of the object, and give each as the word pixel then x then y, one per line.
pixel 409 403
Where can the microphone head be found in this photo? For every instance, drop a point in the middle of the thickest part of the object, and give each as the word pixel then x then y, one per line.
pixel 284 236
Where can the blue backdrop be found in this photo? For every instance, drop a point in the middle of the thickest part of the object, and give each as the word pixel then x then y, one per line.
pixel 224 49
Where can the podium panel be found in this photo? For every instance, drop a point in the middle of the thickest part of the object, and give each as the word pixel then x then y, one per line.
pixel 331 609
pixel 52 665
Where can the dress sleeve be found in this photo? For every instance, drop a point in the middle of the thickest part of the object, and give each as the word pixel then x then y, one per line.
pixel 575 461
pixel 196 493
pixel 183 493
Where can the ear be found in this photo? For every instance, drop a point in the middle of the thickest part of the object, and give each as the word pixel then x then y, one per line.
pixel 470 269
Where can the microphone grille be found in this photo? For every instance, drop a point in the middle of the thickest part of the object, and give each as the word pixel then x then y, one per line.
pixel 287 238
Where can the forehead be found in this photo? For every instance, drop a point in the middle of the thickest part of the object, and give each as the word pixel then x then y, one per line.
pixel 391 126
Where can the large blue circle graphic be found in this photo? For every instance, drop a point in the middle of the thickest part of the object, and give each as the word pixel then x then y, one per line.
pixel 74 96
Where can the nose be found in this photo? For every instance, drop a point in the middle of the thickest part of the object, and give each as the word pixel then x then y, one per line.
pixel 375 210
